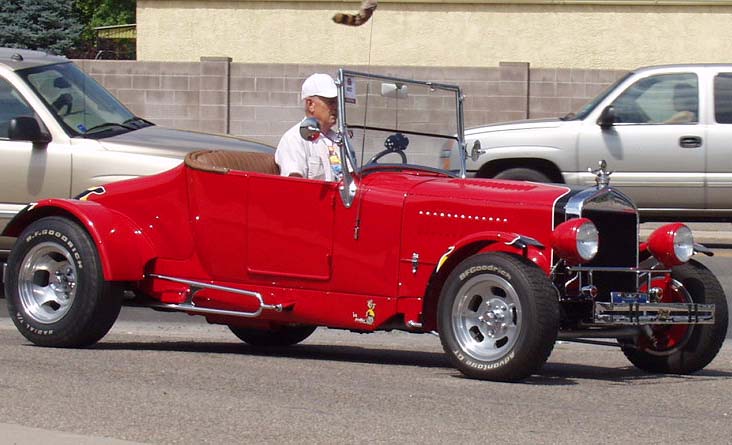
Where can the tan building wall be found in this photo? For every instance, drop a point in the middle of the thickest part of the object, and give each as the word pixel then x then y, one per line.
pixel 261 101
pixel 449 33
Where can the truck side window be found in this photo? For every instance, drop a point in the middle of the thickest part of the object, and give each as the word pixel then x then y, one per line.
pixel 723 98
pixel 662 99
pixel 12 105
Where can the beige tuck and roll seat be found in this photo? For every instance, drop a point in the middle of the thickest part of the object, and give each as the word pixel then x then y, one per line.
pixel 221 161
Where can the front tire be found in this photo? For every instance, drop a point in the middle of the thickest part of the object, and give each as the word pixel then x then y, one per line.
pixel 684 349
pixel 55 290
pixel 498 317
pixel 279 336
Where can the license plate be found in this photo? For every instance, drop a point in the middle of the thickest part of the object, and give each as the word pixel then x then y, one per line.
pixel 628 297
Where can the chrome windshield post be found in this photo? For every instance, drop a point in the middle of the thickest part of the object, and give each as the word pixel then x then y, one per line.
pixel 348 185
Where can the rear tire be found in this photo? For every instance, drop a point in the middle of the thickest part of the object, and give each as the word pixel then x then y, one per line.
pixel 55 290
pixel 523 174
pixel 275 337
pixel 684 349
pixel 498 317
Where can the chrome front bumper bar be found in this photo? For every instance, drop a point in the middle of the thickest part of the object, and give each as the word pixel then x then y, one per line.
pixel 653 313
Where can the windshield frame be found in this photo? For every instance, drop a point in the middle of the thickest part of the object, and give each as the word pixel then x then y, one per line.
pixel 344 133
pixel 71 72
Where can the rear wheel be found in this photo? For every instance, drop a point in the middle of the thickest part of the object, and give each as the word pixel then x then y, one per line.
pixel 276 336
pixel 498 317
pixel 683 349
pixel 523 174
pixel 55 291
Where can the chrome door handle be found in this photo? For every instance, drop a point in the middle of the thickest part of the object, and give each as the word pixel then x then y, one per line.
pixel 690 141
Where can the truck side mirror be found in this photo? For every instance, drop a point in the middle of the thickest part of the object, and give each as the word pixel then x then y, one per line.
pixel 26 128
pixel 607 118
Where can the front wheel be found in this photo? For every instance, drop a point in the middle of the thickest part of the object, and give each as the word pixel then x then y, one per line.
pixel 276 337
pixel 498 317
pixel 55 291
pixel 683 349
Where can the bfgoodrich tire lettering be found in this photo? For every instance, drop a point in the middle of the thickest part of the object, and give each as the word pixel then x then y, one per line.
pixel 498 317
pixel 55 291
pixel 684 349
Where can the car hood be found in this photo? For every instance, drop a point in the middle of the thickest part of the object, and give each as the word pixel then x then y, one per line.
pixel 532 124
pixel 174 143
pixel 515 193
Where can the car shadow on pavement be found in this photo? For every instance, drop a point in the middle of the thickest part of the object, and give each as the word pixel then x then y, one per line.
pixel 351 354
pixel 551 374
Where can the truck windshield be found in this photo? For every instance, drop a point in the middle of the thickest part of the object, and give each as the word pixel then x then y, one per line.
pixel 587 109
pixel 82 106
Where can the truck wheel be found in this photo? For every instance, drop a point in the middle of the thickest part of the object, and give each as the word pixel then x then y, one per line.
pixel 55 291
pixel 498 317
pixel 278 336
pixel 683 349
pixel 523 174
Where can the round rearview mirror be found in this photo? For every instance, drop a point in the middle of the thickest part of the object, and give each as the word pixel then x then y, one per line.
pixel 310 129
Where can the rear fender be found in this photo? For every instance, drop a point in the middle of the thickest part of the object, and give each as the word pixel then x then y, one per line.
pixel 123 248
pixel 476 243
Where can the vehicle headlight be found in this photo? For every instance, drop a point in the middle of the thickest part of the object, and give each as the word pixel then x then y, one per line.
pixel 671 244
pixel 576 241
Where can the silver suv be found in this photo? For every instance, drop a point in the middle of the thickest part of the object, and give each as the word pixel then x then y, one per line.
pixel 665 131
pixel 61 133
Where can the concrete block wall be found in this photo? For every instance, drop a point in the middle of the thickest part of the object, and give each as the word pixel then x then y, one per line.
pixel 260 101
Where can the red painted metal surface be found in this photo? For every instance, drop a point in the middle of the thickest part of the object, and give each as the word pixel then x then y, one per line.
pixel 294 242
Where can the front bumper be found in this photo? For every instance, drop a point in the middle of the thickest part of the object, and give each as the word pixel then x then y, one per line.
pixel 653 313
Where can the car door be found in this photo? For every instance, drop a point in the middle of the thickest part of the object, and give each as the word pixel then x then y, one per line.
pixel 719 145
pixel 28 172
pixel 290 227
pixel 656 148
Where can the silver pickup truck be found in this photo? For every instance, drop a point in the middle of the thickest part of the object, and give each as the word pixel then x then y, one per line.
pixel 665 131
pixel 61 133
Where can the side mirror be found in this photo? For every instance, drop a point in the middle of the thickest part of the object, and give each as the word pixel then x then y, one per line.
pixel 310 129
pixel 476 151
pixel 607 118
pixel 26 128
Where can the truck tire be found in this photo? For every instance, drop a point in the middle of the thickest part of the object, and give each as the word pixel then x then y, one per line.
pixel 55 290
pixel 498 317
pixel 684 349
pixel 275 337
pixel 523 174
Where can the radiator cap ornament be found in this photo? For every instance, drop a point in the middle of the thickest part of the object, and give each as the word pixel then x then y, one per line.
pixel 602 176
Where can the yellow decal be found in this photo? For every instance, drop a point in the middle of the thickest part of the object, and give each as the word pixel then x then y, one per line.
pixel 370 314
pixel 443 258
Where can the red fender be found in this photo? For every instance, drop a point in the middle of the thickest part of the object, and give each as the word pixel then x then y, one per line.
pixel 110 230
pixel 509 242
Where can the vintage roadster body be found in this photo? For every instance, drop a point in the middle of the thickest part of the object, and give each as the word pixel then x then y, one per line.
pixel 499 269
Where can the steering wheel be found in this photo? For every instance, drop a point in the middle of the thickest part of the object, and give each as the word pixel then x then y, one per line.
pixel 396 143
pixel 64 100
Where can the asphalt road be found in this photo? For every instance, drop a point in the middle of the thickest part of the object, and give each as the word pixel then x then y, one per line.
pixel 173 379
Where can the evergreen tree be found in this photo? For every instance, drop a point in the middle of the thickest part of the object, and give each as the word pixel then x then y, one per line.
pixel 48 25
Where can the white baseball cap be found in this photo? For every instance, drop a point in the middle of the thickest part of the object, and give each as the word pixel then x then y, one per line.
pixel 319 85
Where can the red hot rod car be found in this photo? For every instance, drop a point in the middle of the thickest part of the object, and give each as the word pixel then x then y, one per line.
pixel 499 269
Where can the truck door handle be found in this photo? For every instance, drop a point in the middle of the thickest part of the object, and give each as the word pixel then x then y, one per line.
pixel 690 141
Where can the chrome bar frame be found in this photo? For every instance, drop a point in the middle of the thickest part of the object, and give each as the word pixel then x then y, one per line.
pixel 653 313
pixel 189 305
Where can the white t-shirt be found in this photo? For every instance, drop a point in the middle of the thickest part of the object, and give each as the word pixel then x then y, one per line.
pixel 319 159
